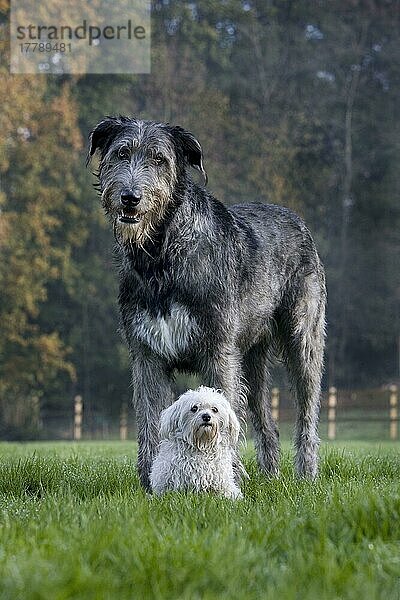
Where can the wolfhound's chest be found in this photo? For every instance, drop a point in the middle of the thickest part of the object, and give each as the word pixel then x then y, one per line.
pixel 170 334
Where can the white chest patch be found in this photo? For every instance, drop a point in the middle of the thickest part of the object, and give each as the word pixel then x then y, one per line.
pixel 168 335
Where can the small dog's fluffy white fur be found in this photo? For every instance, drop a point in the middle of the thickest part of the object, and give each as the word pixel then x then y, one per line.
pixel 198 438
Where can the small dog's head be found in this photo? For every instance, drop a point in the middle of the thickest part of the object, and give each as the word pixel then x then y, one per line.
pixel 203 418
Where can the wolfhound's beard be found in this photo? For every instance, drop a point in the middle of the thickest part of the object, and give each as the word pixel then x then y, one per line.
pixel 137 233
pixel 147 222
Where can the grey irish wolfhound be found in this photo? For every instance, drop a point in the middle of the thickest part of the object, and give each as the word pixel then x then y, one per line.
pixel 209 289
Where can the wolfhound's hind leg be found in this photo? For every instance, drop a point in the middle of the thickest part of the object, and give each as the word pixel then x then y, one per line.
pixel 303 333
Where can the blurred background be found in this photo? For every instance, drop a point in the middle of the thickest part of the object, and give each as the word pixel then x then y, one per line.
pixel 295 103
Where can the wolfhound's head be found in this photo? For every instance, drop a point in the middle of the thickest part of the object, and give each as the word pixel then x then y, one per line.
pixel 142 166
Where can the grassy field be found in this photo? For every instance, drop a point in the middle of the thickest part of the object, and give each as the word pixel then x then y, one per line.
pixel 74 524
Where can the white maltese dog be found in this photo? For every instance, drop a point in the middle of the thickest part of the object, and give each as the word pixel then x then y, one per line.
pixel 198 439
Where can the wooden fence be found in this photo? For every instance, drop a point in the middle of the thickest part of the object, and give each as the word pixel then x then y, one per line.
pixel 345 414
pixel 371 412
pixel 334 414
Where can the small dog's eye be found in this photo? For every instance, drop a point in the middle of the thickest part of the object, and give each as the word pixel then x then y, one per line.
pixel 124 153
pixel 194 408
pixel 214 409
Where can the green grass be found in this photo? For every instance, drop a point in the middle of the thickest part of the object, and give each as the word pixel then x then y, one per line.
pixel 75 524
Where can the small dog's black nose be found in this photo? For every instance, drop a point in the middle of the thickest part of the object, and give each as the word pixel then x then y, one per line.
pixel 130 197
pixel 206 417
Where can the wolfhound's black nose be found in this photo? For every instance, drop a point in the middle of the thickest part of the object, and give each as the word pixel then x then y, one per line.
pixel 130 197
pixel 206 417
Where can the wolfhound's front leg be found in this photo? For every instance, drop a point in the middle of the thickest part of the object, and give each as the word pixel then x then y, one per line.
pixel 223 370
pixel 256 363
pixel 152 391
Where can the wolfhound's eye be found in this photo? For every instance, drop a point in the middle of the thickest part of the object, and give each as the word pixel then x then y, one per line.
pixel 159 159
pixel 214 409
pixel 124 153
pixel 194 408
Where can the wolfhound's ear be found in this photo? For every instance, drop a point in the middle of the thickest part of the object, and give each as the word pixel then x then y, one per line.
pixel 102 135
pixel 191 149
pixel 169 420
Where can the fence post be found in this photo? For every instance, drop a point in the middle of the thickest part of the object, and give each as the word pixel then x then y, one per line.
pixel 393 412
pixel 78 408
pixel 332 403
pixel 123 423
pixel 37 422
pixel 275 403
